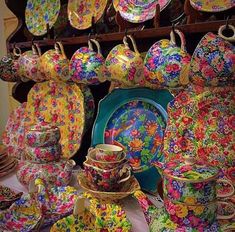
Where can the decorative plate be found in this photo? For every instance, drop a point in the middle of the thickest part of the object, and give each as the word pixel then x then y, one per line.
pixel 13 136
pixel 201 123
pixel 97 217
pixel 62 105
pixel 212 5
pixel 89 106
pixel 7 197
pixel 39 13
pixel 80 12
pixel 140 113
pixel 24 215
pixel 128 188
pixel 139 11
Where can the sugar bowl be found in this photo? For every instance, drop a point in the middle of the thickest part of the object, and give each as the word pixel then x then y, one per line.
pixel 190 192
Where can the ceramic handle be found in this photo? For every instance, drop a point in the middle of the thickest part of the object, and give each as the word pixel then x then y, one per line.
pixel 97 44
pixel 124 170
pixel 132 41
pixel 225 182
pixel 36 50
pixel 226 217
pixel 70 164
pixel 182 38
pixel 222 28
pixel 16 51
pixel 60 49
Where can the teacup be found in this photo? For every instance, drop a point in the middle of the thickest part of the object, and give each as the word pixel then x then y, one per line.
pixel 8 66
pixel 165 64
pixel 28 65
pixel 91 156
pixel 43 154
pixel 106 152
pixel 54 64
pixel 107 179
pixel 213 62
pixel 42 135
pixel 86 66
pixel 124 65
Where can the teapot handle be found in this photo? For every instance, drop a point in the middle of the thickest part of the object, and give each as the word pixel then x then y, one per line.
pixel 97 44
pixel 224 27
pixel 132 41
pixel 182 38
pixel 225 182
pixel 16 51
pixel 60 49
pixel 229 205
pixel 147 206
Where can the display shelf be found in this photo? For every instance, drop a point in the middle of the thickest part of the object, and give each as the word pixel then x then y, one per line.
pixel 138 35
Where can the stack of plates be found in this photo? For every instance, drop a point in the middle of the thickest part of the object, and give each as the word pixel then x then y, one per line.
pixel 7 164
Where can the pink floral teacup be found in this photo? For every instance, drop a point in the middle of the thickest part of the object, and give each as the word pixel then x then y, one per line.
pixel 28 65
pixel 86 66
pixel 54 64
pixel 213 62
pixel 166 64
pixel 124 65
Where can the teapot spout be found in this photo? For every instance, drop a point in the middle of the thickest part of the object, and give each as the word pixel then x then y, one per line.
pixel 147 206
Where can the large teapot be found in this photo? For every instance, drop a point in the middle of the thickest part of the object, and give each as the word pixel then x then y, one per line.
pixel 53 173
pixel 192 199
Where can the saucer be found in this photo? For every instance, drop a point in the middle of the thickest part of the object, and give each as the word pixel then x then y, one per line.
pixel 127 188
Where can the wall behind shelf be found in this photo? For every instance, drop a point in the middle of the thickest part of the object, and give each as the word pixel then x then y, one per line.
pixel 8 23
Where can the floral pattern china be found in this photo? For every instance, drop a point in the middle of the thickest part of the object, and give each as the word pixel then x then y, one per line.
pixel 62 105
pixel 139 126
pixel 80 12
pixel 13 136
pixel 212 6
pixel 100 216
pixel 201 124
pixel 37 15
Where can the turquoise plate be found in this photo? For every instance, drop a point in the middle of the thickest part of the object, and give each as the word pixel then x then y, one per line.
pixel 136 118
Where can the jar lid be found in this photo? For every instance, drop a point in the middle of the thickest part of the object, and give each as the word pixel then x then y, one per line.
pixel 190 170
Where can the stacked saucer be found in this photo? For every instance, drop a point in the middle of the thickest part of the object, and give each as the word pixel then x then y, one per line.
pixel 7 163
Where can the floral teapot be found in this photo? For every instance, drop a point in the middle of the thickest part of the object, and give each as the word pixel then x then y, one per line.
pixel 53 173
pixel 192 198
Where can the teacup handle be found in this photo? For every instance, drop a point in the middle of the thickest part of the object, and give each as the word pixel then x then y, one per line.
pixel 16 51
pixel 36 50
pixel 132 41
pixel 223 217
pixel 226 182
pixel 182 38
pixel 60 49
pixel 224 27
pixel 97 44
pixel 128 176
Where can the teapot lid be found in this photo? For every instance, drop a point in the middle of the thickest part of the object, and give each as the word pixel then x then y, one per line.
pixel 190 170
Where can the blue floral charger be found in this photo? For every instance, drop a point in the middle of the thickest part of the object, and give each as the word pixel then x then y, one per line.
pixel 135 118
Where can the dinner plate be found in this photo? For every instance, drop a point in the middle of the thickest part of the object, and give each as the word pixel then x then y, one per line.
pixel 39 14
pixel 80 12
pixel 62 105
pixel 212 5
pixel 136 118
pixel 13 135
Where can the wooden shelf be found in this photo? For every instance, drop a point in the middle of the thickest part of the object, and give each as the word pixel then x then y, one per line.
pixel 144 34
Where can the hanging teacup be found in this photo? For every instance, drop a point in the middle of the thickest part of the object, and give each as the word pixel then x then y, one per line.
pixel 166 65
pixel 213 61
pixel 124 65
pixel 86 65
pixel 29 64
pixel 54 64
pixel 8 66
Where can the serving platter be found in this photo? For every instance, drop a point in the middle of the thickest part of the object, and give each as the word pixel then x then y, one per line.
pixel 62 105
pixel 136 118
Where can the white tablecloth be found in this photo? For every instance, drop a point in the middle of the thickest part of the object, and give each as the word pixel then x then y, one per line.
pixel 130 205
